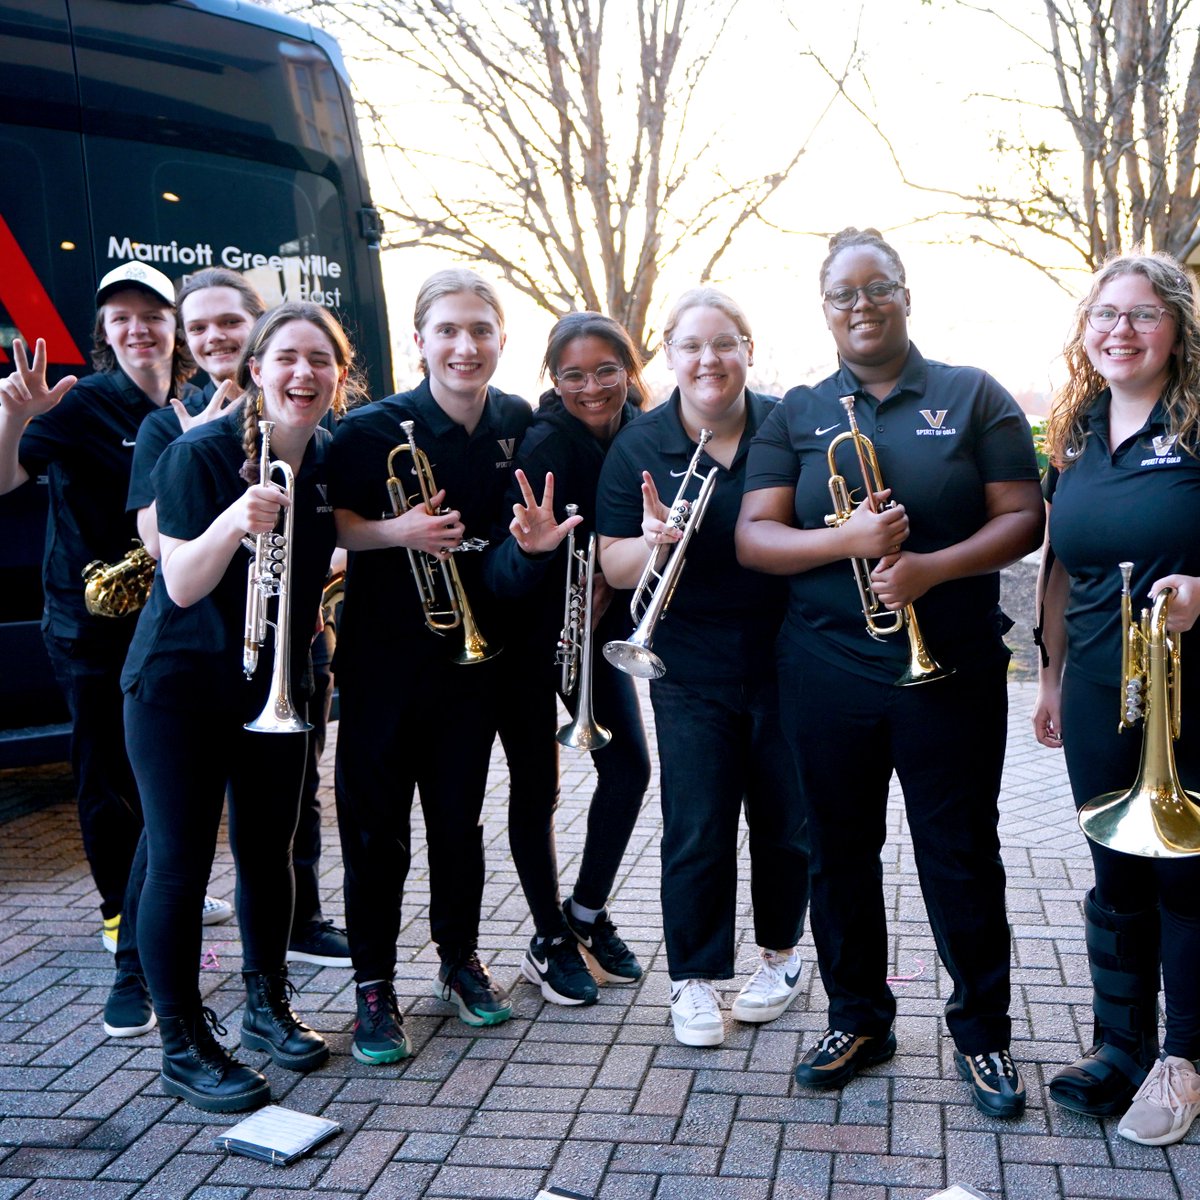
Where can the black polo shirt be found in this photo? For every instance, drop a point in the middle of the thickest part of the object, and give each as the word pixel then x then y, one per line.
pixel 191 657
pixel 84 445
pixel 559 443
pixel 382 619
pixel 940 436
pixel 1138 504
pixel 154 435
pixel 723 619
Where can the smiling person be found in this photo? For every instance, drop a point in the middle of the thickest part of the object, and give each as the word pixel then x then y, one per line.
pixel 1124 485
pixel 956 451
pixel 595 370
pixel 81 435
pixel 187 699
pixel 411 718
pixel 716 709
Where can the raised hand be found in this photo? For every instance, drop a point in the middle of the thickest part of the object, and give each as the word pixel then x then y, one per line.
pixel 225 395
pixel 655 529
pixel 25 393
pixel 534 525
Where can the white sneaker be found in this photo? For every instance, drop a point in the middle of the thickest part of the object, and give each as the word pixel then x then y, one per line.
pixel 214 911
pixel 1166 1104
pixel 772 987
pixel 696 1013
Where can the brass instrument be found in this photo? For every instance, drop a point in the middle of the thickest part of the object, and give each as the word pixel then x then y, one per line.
pixel 120 588
pixel 655 588
pixel 446 606
pixel 1156 817
pixel 268 577
pixel 922 667
pixel 574 653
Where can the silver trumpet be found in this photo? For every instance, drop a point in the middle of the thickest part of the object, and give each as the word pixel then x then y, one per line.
pixel 574 653
pixel 269 577
pixel 656 587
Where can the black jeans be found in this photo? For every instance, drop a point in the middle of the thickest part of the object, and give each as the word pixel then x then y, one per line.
pixel 528 722
pixel 88 670
pixel 720 746
pixel 1099 759
pixel 306 852
pixel 184 766
pixel 945 740
pixel 429 730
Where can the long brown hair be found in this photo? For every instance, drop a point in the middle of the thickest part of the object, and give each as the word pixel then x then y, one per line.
pixel 104 357
pixel 1175 287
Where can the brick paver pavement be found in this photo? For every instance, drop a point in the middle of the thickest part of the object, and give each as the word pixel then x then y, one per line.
pixel 601 1101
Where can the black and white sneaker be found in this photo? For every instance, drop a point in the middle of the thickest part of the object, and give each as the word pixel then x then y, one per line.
pixel 128 1011
pixel 557 967
pixel 614 961
pixel 322 943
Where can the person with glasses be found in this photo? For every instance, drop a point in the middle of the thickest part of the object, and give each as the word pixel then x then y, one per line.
pixel 955 499
pixel 1124 486
pixel 595 372
pixel 721 751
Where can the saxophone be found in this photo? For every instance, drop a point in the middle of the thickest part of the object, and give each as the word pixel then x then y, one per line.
pixel 121 588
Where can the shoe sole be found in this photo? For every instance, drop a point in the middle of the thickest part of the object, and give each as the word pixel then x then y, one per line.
pixel 320 960
pixel 293 1062
pixel 1005 1108
pixel 468 1016
pixel 1110 1109
pixel 761 1015
pixel 865 1058
pixel 383 1058
pixel 217 917
pixel 109 943
pixel 530 972
pixel 699 1037
pixel 597 967
pixel 1167 1139
pixel 120 1031
pixel 255 1099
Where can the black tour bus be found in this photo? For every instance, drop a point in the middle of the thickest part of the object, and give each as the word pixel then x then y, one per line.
pixel 182 133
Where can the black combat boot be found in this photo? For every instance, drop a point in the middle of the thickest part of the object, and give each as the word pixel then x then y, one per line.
pixel 197 1067
pixel 1123 956
pixel 269 1023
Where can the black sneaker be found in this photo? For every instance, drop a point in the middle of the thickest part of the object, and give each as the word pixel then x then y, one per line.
pixel 127 1011
pixel 557 967
pixel 839 1056
pixel 379 1035
pixel 996 1086
pixel 465 982
pixel 320 942
pixel 614 960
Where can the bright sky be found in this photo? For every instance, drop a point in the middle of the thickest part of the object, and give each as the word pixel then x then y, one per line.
pixel 934 71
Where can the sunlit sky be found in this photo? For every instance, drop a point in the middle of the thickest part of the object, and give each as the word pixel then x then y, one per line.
pixel 940 79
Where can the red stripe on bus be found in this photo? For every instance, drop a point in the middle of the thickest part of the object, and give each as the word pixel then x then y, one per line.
pixel 30 308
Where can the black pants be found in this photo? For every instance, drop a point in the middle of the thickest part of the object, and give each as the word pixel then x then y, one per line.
pixel 306 852
pixel 528 722
pixel 1101 760
pixel 184 767
pixel 720 746
pixel 436 738
pixel 945 740
pixel 88 670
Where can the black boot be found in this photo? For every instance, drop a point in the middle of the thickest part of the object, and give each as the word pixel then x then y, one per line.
pixel 269 1023
pixel 1123 956
pixel 197 1067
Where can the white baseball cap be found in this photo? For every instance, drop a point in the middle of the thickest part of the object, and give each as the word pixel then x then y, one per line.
pixel 136 274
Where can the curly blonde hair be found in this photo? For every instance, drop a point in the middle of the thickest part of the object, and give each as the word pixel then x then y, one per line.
pixel 1175 287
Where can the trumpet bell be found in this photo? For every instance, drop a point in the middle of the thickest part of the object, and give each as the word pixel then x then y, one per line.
pixel 634 659
pixel 278 717
pixel 583 735
pixel 1154 820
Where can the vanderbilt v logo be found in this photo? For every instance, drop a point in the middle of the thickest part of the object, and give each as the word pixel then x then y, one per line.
pixel 323 489
pixel 1163 444
pixel 934 419
pixel 507 446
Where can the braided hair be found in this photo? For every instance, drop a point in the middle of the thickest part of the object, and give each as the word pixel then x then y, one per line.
pixel 850 237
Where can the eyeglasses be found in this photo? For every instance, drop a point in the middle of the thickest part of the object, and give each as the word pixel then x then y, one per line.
pixel 1146 318
pixel 724 344
pixel 882 291
pixel 575 381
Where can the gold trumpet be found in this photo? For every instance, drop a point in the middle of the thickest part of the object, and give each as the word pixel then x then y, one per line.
pixel 1156 817
pixel 445 604
pixel 121 588
pixel 656 587
pixel 922 667
pixel 574 652
pixel 269 578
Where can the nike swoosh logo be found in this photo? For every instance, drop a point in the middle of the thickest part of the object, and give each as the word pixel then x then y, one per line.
pixel 792 980
pixel 586 942
pixel 127 443
pixel 540 966
pixel 827 429
pixel 679 474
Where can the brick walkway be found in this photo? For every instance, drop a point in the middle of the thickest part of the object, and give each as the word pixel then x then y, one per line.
pixel 600 1101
